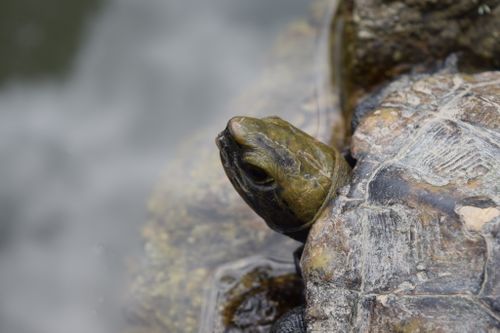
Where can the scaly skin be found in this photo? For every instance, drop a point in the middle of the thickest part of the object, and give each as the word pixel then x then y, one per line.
pixel 284 174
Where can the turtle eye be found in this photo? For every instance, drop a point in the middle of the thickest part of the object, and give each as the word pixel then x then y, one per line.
pixel 256 174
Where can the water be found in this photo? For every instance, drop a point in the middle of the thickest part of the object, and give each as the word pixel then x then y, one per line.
pixel 94 98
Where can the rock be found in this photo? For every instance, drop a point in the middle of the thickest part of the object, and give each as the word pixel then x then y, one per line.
pixel 387 37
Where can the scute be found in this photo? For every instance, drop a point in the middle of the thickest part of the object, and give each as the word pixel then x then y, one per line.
pixel 425 314
pixel 413 244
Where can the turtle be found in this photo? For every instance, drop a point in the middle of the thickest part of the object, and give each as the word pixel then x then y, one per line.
pixel 409 239
pixel 196 220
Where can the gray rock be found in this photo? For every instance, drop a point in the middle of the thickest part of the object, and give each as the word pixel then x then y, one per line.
pixel 388 37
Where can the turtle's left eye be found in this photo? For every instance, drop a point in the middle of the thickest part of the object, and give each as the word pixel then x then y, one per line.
pixel 256 174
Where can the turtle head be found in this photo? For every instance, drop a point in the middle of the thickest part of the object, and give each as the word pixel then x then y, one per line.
pixel 284 174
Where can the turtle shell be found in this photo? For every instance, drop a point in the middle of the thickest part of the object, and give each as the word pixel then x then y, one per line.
pixel 413 243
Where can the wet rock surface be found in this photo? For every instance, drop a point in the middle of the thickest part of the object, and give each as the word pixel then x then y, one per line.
pixel 250 295
pixel 388 37
pixel 412 244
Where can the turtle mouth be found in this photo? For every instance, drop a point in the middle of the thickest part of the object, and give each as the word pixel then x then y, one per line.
pixel 230 152
pixel 228 148
pixel 223 140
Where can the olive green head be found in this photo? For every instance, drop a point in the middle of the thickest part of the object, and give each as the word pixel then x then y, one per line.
pixel 284 174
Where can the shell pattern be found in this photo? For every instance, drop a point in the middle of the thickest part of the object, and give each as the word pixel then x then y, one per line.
pixel 413 243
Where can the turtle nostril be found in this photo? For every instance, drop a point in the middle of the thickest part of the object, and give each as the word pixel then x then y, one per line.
pixel 219 140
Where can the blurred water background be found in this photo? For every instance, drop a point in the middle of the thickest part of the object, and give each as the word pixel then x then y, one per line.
pixel 94 97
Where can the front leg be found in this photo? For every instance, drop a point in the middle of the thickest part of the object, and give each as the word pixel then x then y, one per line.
pixel 297 254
